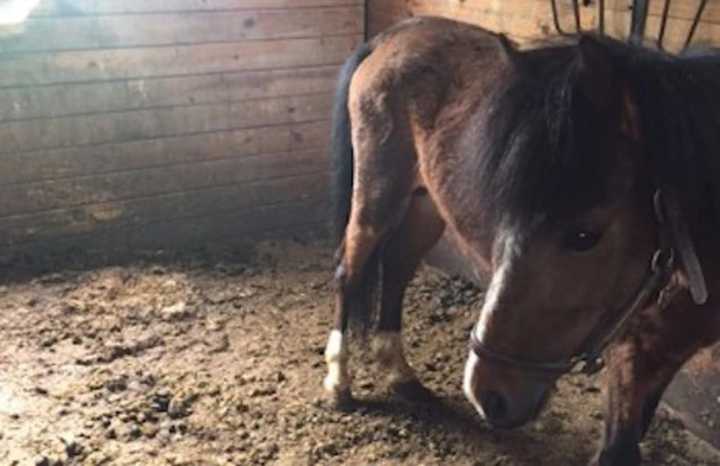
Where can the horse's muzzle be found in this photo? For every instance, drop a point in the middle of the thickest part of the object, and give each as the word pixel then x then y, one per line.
pixel 504 398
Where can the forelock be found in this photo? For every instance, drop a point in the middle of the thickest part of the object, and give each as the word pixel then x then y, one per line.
pixel 544 150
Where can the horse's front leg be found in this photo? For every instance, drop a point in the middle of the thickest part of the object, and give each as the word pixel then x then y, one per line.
pixel 640 367
pixel 419 231
pixel 632 393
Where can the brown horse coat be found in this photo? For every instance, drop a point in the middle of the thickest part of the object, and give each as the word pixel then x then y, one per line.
pixel 414 117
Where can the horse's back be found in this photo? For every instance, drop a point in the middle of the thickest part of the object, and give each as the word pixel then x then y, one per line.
pixel 424 67
pixel 432 30
pixel 422 46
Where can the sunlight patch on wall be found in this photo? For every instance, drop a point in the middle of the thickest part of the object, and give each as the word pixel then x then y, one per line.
pixel 13 12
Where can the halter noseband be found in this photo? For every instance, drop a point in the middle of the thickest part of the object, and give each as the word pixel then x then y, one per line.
pixel 657 282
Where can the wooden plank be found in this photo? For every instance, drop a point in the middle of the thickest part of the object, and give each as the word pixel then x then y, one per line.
pixel 84 66
pixel 107 7
pixel 83 32
pixel 247 223
pixel 28 260
pixel 676 31
pixel 618 18
pixel 524 20
pixel 47 195
pixel 259 222
pixel 618 25
pixel 31 135
pixel 97 217
pixel 682 9
pixel 146 121
pixel 285 220
pixel 85 98
pixel 527 20
pixel 108 158
pixel 383 14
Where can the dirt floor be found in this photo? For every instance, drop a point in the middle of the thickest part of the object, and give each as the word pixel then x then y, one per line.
pixel 210 362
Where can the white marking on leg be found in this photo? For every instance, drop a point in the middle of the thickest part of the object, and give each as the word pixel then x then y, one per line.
pixel 388 350
pixel 336 357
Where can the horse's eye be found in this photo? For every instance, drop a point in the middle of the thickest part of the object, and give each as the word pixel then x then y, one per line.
pixel 581 240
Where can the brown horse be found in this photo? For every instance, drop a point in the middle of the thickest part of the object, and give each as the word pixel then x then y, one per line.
pixel 583 177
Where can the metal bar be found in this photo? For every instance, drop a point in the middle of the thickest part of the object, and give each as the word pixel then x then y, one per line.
pixel 556 18
pixel 695 23
pixel 663 24
pixel 576 11
pixel 639 19
pixel 601 16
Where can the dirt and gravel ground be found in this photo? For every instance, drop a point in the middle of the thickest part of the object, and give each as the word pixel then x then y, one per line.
pixel 217 359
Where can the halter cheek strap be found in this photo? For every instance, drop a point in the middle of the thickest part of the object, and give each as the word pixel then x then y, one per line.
pixel 673 233
pixel 657 282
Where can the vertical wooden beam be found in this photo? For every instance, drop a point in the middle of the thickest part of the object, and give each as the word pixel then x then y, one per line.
pixel 366 19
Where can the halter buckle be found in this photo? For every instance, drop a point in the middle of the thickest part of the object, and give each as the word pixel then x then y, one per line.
pixel 663 260
pixel 589 364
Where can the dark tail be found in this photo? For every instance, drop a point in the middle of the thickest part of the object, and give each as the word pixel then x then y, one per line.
pixel 341 144
pixel 362 314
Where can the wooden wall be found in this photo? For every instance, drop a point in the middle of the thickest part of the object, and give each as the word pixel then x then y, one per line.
pixel 135 123
pixel 531 19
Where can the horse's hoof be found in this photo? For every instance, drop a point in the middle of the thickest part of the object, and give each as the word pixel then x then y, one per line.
pixel 341 400
pixel 414 391
pixel 625 455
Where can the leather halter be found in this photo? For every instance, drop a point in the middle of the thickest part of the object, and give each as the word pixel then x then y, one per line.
pixel 658 282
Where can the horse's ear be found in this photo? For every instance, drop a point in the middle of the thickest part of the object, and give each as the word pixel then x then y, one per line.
pixel 596 72
pixel 508 52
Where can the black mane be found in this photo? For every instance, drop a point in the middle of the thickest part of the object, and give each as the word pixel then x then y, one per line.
pixel 545 148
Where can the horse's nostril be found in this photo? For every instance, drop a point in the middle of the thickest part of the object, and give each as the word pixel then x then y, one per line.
pixel 494 405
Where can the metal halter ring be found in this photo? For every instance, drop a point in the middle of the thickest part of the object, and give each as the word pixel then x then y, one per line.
pixel 663 260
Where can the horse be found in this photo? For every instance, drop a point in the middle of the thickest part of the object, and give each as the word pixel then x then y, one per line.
pixel 580 175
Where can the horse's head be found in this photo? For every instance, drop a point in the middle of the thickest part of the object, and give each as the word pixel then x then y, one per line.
pixel 576 226
pixel 554 293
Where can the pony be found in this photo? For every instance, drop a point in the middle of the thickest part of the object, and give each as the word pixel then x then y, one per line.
pixel 581 175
